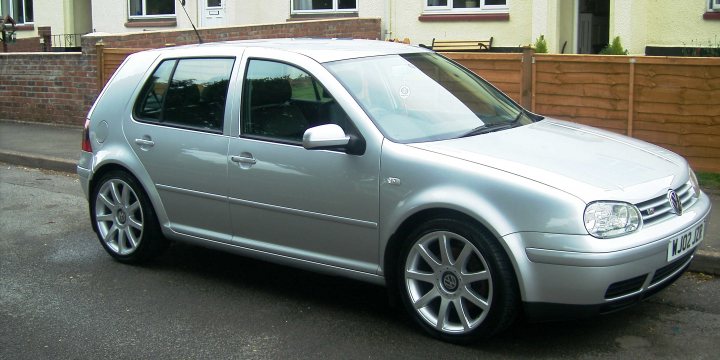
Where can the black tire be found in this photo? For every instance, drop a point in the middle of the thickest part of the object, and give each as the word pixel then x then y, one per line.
pixel 124 219
pixel 475 282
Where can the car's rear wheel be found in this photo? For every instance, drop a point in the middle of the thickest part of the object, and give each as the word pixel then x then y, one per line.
pixel 124 220
pixel 457 282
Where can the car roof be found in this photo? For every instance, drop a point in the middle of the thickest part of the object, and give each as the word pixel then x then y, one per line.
pixel 321 50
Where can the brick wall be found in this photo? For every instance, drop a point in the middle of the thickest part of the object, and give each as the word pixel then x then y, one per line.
pixel 46 87
pixel 61 87
pixel 23 45
pixel 356 28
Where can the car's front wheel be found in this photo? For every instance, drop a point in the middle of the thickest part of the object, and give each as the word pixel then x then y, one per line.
pixel 124 220
pixel 457 282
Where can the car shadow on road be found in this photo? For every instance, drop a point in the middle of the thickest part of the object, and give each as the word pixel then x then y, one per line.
pixel 358 299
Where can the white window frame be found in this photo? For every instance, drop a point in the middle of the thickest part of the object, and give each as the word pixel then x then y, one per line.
pixel 13 15
pixel 449 9
pixel 144 11
pixel 333 10
pixel 714 5
pixel 222 5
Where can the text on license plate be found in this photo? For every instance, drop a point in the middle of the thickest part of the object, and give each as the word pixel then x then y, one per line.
pixel 684 243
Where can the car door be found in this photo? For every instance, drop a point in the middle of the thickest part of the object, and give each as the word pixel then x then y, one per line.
pixel 316 205
pixel 177 132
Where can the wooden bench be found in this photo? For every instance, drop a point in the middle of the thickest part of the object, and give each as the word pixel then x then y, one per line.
pixel 461 45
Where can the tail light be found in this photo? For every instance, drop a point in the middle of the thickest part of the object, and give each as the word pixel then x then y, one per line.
pixel 86 146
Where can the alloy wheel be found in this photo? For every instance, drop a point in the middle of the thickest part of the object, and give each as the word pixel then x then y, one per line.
pixel 448 282
pixel 119 216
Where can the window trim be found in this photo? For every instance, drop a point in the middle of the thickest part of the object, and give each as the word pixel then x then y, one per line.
pixel 22 21
pixel 334 9
pixel 713 6
pixel 480 9
pixel 145 16
pixel 137 118
pixel 245 105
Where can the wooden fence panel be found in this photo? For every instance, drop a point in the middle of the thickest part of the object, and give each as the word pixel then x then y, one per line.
pixel 587 92
pixel 109 60
pixel 502 70
pixel 678 107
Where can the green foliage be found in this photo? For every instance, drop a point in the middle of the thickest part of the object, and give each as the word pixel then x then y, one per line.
pixel 709 181
pixel 615 48
pixel 541 45
pixel 712 49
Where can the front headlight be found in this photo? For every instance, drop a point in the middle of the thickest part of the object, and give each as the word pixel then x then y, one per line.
pixel 694 182
pixel 606 219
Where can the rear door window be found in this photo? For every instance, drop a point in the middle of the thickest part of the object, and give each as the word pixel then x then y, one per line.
pixel 187 93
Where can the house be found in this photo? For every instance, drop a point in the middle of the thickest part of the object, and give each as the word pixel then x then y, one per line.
pixel 67 20
pixel 569 26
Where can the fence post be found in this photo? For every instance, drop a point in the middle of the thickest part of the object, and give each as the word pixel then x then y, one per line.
pixel 45 34
pixel 99 53
pixel 526 83
pixel 631 97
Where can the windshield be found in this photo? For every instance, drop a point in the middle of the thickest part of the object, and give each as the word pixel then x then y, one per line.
pixel 424 97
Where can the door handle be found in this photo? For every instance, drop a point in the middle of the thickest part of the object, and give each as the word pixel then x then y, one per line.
pixel 243 159
pixel 145 142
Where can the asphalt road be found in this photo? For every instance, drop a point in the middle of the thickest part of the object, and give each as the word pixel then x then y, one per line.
pixel 61 296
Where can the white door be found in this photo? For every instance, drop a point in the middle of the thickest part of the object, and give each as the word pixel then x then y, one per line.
pixel 212 13
pixel 585 22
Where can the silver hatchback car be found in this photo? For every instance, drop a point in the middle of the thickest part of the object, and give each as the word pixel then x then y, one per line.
pixel 390 164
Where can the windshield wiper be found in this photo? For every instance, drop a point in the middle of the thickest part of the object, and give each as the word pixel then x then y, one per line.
pixel 484 129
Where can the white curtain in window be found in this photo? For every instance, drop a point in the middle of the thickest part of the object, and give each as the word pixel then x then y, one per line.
pixel 303 4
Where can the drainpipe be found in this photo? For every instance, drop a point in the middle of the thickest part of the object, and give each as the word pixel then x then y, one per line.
pixel 389 7
pixel 68 17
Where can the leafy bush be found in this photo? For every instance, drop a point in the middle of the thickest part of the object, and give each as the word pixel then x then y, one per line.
pixel 541 45
pixel 615 48
pixel 709 181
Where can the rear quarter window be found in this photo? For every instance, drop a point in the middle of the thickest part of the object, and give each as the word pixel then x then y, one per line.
pixel 187 93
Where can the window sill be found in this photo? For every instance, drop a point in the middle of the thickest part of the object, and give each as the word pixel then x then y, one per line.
pixel 151 23
pixel 711 15
pixel 334 15
pixel 465 17
pixel 24 27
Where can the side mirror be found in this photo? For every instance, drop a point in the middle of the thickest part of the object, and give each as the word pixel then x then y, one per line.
pixel 332 137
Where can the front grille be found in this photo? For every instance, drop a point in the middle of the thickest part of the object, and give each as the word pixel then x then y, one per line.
pixel 669 269
pixel 659 208
pixel 663 283
pixel 626 293
pixel 625 287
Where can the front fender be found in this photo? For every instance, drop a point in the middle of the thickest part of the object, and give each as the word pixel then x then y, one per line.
pixel 414 180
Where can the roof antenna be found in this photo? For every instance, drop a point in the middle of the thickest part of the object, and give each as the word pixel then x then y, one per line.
pixel 182 3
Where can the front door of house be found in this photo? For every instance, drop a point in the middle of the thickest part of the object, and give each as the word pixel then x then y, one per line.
pixel 212 13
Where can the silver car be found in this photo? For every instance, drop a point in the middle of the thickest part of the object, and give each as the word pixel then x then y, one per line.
pixel 390 164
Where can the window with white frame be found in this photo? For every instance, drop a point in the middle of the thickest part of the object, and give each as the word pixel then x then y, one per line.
pixel 314 6
pixel 151 8
pixel 20 10
pixel 466 5
pixel 715 5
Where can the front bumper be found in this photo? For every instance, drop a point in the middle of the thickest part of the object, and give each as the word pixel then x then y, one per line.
pixel 576 275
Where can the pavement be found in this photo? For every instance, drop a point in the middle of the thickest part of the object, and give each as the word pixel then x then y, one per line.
pixel 56 147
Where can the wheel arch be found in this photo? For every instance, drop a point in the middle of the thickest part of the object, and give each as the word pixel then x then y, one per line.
pixel 108 166
pixel 394 245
